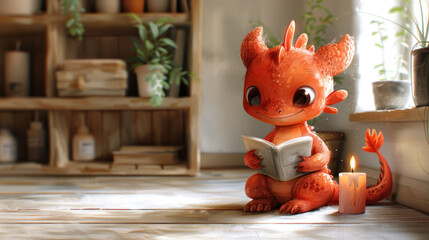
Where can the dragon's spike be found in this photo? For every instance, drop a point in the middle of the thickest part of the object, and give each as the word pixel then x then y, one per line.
pixel 279 53
pixel 335 58
pixel 301 42
pixel 253 45
pixel 311 48
pixel 288 39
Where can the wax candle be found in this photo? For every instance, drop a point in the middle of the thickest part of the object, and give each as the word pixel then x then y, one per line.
pixel 352 193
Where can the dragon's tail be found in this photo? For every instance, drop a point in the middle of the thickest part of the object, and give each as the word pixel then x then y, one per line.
pixel 383 187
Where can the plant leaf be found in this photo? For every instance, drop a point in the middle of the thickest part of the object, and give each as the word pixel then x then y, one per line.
pixel 153 29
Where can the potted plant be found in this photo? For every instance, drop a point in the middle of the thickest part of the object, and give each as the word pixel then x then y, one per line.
pixel 389 91
pixel 153 62
pixel 420 50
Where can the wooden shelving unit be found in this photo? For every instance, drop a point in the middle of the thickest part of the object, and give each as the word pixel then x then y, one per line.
pixel 114 121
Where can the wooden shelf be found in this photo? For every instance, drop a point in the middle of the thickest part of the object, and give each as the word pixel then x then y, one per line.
pixel 97 21
pixel 23 24
pixel 92 168
pixel 398 115
pixel 123 20
pixel 91 103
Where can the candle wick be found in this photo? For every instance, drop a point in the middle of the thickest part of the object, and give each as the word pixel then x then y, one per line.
pixel 353 170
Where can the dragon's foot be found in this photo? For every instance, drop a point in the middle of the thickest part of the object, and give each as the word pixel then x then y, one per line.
pixel 260 205
pixel 297 206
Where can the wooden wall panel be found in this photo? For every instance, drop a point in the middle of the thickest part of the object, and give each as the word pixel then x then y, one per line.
pixel 91 48
pixel 111 133
pixel 108 47
pixel 128 128
pixel 175 127
pixel 143 127
pixel 6 120
pixel 93 120
pixel 21 124
pixel 160 127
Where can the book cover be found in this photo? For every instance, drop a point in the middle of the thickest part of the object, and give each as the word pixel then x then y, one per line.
pixel 279 162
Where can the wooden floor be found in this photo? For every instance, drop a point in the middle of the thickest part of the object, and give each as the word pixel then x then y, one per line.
pixel 203 207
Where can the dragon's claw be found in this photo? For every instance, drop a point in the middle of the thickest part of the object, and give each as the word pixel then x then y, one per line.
pixel 260 205
pixel 296 206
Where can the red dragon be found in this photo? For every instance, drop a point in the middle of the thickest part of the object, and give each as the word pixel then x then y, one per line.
pixel 286 86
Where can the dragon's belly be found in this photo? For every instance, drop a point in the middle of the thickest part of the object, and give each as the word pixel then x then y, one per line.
pixel 281 190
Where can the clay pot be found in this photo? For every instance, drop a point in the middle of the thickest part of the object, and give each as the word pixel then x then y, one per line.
pixel 391 94
pixel 135 6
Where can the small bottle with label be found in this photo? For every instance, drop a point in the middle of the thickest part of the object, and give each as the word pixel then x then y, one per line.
pixel 83 145
pixel 7 147
pixel 36 145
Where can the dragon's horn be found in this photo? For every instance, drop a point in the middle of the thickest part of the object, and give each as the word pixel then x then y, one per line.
pixel 335 58
pixel 301 42
pixel 253 45
pixel 288 39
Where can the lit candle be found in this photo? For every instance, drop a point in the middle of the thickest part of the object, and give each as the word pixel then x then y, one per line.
pixel 352 196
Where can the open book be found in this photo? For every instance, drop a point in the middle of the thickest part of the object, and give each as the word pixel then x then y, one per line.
pixel 279 162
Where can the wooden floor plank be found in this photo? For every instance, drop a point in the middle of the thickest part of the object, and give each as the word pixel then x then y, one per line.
pixel 204 207
pixel 409 231
pixel 325 215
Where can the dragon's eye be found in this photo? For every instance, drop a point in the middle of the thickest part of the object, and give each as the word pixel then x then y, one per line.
pixel 303 97
pixel 253 96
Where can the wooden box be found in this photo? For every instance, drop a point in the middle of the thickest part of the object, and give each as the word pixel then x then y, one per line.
pixel 92 77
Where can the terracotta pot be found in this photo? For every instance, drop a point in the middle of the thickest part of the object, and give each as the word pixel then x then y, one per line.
pixel 391 94
pixel 421 76
pixel 135 6
pixel 158 5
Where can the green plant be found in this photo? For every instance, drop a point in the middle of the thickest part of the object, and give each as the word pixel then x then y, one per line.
pixel 420 24
pixel 400 66
pixel 73 9
pixel 316 22
pixel 154 48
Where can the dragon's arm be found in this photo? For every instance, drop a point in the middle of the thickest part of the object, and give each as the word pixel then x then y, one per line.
pixel 251 159
pixel 319 158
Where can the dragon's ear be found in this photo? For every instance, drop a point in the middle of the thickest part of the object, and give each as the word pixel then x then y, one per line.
pixel 335 58
pixel 333 98
pixel 253 45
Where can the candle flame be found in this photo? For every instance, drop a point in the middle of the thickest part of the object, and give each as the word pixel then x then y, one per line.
pixel 353 163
